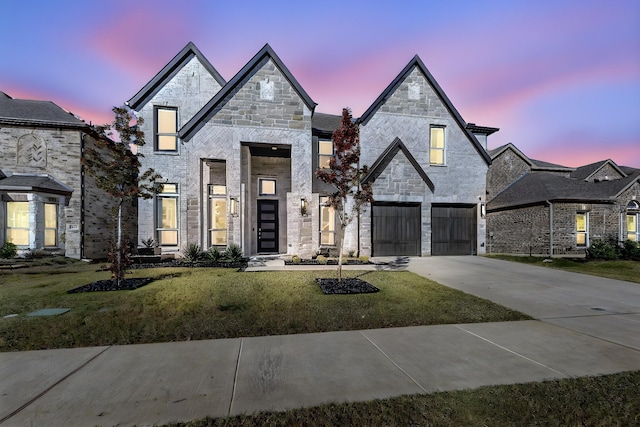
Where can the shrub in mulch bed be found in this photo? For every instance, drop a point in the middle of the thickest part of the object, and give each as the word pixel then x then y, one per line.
pixel 112 285
pixel 346 286
pixel 240 265
pixel 329 262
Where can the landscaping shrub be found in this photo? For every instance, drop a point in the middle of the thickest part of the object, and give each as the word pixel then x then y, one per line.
pixel 233 253
pixel 321 259
pixel 364 259
pixel 214 254
pixel 192 252
pixel 602 250
pixel 8 250
pixel 631 250
pixel 295 259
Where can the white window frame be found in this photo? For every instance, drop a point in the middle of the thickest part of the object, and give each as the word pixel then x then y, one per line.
pixel 217 193
pixel 325 158
pixel 11 221
pixel 585 232
pixel 442 150
pixel 328 232
pixel 633 235
pixel 169 191
pixel 53 227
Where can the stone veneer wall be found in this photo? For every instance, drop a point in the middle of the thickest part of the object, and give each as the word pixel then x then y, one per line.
pixel 606 172
pixel 521 231
pixel 505 169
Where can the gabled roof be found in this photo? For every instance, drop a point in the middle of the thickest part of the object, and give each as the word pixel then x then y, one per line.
pixel 417 62
pixel 538 188
pixel 36 113
pixel 38 183
pixel 385 158
pixel 536 165
pixel 197 121
pixel 324 125
pixel 587 171
pixel 169 71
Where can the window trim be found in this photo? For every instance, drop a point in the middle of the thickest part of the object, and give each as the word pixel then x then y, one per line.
pixel 275 187
pixel 157 134
pixel 580 232
pixel 158 215
pixel 331 232
pixel 444 145
pixel 215 194
pixel 322 156
pixel 636 233
pixel 27 228
pixel 54 228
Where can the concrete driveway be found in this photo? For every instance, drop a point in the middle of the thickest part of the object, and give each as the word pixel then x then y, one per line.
pixel 603 308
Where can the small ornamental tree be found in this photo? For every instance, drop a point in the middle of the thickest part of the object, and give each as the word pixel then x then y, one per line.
pixel 345 174
pixel 116 170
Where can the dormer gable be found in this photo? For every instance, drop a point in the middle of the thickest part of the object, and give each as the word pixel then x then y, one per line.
pixel 416 68
pixel 171 70
pixel 264 56
pixel 604 170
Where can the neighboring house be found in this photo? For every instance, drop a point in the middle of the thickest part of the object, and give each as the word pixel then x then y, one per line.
pixel 540 208
pixel 238 161
pixel 46 200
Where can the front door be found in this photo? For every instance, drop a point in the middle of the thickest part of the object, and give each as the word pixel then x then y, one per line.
pixel 268 226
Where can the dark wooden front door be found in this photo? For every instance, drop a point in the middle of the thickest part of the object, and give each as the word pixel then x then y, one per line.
pixel 453 230
pixel 268 226
pixel 396 229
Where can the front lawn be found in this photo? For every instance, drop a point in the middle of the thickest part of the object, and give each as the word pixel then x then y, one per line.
pixel 618 269
pixel 203 303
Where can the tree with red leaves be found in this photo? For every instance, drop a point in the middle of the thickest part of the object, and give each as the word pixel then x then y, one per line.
pixel 116 170
pixel 346 175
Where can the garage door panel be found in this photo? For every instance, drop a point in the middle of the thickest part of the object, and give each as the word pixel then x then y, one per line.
pixel 453 230
pixel 396 229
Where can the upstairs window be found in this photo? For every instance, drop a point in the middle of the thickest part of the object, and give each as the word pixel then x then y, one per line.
pixel 166 132
pixel 582 226
pixel 436 146
pixel 325 153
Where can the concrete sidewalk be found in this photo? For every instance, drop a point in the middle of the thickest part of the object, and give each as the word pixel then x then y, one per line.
pixel 158 383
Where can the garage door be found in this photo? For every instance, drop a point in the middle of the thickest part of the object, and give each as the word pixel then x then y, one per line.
pixel 453 230
pixel 396 229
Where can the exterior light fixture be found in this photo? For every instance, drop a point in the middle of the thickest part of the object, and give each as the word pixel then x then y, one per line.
pixel 233 206
pixel 304 206
pixel 483 210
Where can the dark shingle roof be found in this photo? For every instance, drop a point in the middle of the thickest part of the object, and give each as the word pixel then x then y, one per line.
pixel 42 183
pixel 325 124
pixel 585 172
pixel 536 165
pixel 481 129
pixel 35 113
pixel 539 187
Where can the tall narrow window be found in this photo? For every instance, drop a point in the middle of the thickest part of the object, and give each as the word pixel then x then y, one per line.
pixel 167 215
pixel 18 223
pixel 632 227
pixel 325 153
pixel 436 146
pixel 217 215
pixel 327 223
pixel 166 129
pixel 50 224
pixel 582 226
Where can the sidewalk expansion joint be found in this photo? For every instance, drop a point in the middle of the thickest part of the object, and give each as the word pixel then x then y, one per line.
pixel 513 352
pixel 395 364
pixel 235 377
pixel 45 391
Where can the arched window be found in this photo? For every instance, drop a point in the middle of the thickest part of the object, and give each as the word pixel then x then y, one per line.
pixel 633 206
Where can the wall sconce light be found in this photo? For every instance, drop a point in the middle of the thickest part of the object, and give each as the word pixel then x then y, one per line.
pixel 304 205
pixel 233 206
pixel 483 210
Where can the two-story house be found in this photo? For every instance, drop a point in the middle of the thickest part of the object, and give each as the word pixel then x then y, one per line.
pixel 46 201
pixel 238 159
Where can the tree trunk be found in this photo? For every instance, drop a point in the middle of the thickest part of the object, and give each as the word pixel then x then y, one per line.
pixel 119 247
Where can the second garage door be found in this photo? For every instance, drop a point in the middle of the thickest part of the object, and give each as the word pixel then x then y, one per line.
pixel 453 230
pixel 396 229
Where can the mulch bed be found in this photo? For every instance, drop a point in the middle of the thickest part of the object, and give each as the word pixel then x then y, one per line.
pixel 241 265
pixel 329 262
pixel 346 286
pixel 112 285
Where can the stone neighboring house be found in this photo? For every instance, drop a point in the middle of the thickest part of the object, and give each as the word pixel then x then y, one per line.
pixel 46 200
pixel 537 207
pixel 238 158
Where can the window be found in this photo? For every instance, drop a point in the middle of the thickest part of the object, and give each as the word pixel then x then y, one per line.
pixel 632 227
pixel 167 215
pixel 327 223
pixel 325 153
pixel 18 223
pixel 50 224
pixel 436 146
pixel 166 129
pixel 217 215
pixel 582 236
pixel 267 187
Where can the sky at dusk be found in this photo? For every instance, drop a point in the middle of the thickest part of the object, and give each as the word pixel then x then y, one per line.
pixel 560 78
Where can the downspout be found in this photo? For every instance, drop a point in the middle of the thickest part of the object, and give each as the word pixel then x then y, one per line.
pixel 82 196
pixel 550 228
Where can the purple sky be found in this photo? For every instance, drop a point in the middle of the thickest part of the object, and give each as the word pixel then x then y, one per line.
pixel 561 78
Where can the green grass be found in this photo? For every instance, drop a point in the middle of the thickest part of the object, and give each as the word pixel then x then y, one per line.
pixel 610 400
pixel 204 303
pixel 619 269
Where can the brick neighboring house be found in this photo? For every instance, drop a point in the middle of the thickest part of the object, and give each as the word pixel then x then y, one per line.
pixel 542 208
pixel 238 158
pixel 46 200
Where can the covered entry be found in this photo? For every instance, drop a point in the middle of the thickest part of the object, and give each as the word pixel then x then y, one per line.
pixel 396 229
pixel 453 230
